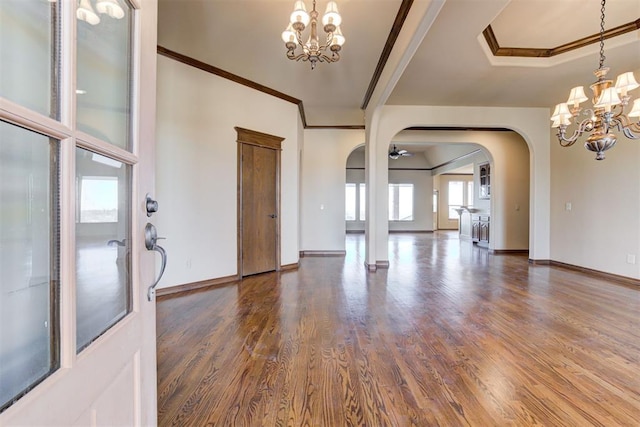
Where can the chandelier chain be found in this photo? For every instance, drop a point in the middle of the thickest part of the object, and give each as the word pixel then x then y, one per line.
pixel 602 57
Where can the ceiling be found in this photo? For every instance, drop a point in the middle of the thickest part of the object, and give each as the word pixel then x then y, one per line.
pixel 451 65
pixel 429 155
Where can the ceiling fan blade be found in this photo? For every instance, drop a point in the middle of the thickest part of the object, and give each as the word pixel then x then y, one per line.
pixel 406 153
pixel 402 151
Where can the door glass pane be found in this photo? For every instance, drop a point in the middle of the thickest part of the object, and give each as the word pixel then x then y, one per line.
pixel 29 218
pixel 350 202
pixel 103 89
pixel 102 244
pixel 27 54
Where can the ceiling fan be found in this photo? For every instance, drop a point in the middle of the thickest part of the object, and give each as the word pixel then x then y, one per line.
pixel 396 154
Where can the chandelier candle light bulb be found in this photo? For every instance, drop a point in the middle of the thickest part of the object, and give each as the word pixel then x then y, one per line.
pixel 85 11
pixel 314 50
pixel 111 8
pixel 608 112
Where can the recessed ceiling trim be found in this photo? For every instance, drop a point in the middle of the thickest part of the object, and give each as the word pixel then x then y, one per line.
pixel 448 162
pixel 453 128
pixel 401 16
pixel 464 156
pixel 344 127
pixel 533 52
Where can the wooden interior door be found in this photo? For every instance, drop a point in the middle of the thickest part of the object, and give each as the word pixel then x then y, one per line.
pixel 259 204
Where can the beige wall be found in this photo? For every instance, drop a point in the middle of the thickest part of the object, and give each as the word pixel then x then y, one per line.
pixel 602 227
pixel 324 175
pixel 197 169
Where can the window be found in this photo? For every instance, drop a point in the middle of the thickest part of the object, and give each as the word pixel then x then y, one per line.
pixel 98 199
pixel 400 202
pixel 355 202
pixel 456 198
pixel 435 202
pixel 350 202
pixel 362 201
pixel 470 193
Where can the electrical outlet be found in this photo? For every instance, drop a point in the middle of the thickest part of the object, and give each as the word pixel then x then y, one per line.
pixel 631 259
pixel 189 263
pixel 567 206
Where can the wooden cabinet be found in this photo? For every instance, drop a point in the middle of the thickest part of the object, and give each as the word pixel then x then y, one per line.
pixel 475 230
pixel 480 230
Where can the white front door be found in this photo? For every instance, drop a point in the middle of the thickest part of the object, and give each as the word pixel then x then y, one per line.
pixel 77 136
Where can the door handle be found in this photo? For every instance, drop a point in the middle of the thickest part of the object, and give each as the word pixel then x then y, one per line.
pixel 273 216
pixel 151 243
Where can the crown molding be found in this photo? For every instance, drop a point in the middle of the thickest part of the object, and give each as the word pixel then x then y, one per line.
pixel 533 52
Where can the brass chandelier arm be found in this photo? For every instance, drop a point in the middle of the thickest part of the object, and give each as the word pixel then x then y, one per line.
pixel 623 124
pixel 335 57
pixel 587 125
pixel 628 132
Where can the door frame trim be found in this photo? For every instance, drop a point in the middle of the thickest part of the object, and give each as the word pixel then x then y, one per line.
pixel 263 140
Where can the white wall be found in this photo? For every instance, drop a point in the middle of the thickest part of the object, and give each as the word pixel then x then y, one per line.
pixel 197 169
pixel 323 162
pixel 603 226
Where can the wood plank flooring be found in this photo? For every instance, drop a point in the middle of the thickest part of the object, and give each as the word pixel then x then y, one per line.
pixel 448 336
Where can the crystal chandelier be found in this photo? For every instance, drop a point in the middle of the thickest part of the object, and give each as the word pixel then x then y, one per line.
pixel 608 112
pixel 313 51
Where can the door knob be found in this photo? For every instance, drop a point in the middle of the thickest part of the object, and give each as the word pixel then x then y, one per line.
pixel 273 216
pixel 150 205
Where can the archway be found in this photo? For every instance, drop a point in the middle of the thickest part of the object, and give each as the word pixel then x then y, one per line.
pixel 529 123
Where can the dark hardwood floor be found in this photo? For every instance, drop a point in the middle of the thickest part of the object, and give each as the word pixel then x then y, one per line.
pixel 448 336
